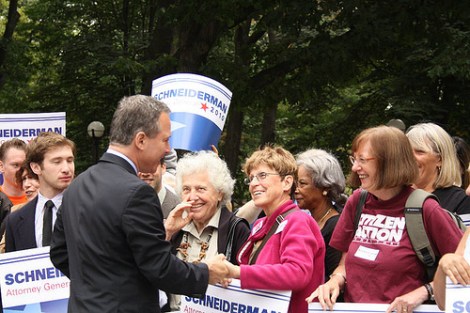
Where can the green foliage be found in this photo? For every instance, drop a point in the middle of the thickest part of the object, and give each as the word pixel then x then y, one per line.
pixel 325 69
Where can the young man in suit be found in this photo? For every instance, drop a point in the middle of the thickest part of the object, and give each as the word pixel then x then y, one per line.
pixel 167 196
pixel 109 237
pixel 50 157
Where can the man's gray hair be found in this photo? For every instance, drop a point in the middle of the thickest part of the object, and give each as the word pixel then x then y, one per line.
pixel 134 114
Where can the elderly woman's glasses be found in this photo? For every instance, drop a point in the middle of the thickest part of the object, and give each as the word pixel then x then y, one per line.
pixel 260 177
pixel 359 160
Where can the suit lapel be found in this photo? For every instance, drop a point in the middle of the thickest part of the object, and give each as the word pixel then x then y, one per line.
pixel 26 229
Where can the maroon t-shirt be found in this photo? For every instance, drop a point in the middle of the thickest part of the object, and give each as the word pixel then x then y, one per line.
pixel 381 263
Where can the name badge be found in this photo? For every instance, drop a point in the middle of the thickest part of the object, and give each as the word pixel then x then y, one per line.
pixel 366 253
pixel 281 226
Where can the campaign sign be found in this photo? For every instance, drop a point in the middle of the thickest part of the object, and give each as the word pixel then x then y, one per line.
pixel 466 219
pixel 235 299
pixel 368 308
pixel 30 283
pixel 28 125
pixel 457 298
pixel 199 107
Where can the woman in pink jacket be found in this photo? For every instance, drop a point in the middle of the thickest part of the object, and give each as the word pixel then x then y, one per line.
pixel 285 250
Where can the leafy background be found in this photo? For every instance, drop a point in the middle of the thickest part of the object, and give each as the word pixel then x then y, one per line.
pixel 303 73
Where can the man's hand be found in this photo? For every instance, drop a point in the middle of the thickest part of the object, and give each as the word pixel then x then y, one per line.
pixel 218 270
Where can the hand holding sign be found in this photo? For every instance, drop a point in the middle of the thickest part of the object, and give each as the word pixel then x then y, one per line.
pixel 456 268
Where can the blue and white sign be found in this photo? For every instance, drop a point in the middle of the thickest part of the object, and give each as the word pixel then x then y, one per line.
pixel 28 125
pixel 30 283
pixel 235 299
pixel 199 107
pixel 466 219
pixel 457 298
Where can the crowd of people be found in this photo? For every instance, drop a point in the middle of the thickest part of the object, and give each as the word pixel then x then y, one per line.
pixel 141 226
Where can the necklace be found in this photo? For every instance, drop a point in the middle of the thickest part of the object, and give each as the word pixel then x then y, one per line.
pixel 323 217
pixel 185 245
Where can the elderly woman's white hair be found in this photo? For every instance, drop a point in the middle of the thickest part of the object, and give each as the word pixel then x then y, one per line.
pixel 210 163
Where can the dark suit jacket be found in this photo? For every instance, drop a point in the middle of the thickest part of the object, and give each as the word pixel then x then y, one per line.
pixel 20 229
pixel 242 231
pixel 110 241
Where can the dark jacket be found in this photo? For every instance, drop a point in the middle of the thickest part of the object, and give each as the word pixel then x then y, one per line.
pixel 110 241
pixel 20 228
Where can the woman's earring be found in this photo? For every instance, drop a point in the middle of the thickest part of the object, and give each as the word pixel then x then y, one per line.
pixel 324 193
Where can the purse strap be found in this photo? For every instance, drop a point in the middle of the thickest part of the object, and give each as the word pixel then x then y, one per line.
pixel 231 235
pixel 273 228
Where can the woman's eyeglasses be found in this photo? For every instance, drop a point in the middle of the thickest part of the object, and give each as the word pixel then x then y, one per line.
pixel 359 160
pixel 260 177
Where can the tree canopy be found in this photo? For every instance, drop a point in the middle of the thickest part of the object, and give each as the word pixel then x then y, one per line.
pixel 303 73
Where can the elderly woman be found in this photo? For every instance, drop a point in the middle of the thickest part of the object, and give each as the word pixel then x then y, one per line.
pixel 285 250
pixel 378 260
pixel 201 226
pixel 320 188
pixel 439 171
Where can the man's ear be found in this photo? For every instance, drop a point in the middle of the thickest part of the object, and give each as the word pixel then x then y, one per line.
pixel 139 140
pixel 36 168
pixel 2 167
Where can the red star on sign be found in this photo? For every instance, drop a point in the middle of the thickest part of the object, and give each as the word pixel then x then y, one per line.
pixel 204 106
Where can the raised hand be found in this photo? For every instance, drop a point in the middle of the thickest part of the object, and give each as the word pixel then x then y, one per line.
pixel 179 217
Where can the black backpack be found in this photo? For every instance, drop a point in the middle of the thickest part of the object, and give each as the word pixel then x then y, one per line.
pixel 415 227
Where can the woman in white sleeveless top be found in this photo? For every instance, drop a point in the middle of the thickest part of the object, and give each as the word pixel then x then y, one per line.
pixel 456 266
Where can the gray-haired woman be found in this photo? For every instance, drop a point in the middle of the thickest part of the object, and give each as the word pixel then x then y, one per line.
pixel 320 188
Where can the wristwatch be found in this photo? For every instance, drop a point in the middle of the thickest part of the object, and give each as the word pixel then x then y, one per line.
pixel 430 291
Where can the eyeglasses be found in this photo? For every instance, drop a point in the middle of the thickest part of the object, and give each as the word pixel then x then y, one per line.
pixel 359 160
pixel 260 176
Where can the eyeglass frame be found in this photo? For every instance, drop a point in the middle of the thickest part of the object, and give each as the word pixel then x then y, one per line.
pixel 361 160
pixel 260 177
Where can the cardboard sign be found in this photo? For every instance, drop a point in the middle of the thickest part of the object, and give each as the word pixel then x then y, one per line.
pixel 235 299
pixel 30 283
pixel 199 107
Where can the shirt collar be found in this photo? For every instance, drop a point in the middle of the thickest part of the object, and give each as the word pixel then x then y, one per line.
pixel 57 200
pixel 119 154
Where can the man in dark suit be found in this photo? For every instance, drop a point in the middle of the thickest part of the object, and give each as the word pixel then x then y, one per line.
pixel 50 158
pixel 109 237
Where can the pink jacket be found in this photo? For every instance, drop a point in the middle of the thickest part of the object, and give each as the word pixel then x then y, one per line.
pixel 292 259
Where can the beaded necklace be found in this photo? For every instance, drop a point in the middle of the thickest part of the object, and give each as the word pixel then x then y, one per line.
pixel 185 245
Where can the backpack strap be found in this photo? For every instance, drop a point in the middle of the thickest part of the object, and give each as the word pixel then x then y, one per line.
pixel 231 235
pixel 416 231
pixel 273 228
pixel 359 207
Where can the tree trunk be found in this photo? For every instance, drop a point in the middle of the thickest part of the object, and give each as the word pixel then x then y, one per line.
pixel 233 138
pixel 12 21
pixel 268 134
pixel 235 122
pixel 161 37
